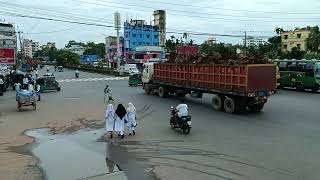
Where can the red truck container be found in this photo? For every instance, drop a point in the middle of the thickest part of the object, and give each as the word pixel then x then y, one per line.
pixel 235 87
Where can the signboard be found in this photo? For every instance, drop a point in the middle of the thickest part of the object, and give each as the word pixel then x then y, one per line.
pixel 150 48
pixel 7 56
pixel 87 59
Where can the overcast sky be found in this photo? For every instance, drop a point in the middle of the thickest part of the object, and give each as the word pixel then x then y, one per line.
pixel 257 17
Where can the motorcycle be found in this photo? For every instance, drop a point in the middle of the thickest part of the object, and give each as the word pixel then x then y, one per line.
pixel 183 123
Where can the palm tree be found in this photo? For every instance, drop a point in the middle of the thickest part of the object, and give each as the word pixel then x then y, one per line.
pixel 279 30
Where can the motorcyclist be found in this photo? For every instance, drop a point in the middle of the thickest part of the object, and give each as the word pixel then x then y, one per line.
pixel 55 68
pixel 77 73
pixel 181 110
pixel 48 69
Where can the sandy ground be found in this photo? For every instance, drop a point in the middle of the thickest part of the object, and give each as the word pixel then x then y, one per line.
pixel 13 124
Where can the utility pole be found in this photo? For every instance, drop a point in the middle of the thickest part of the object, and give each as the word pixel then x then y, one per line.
pixel 117 26
pixel 19 61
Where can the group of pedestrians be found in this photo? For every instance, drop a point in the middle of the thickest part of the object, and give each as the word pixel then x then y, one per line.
pixel 117 119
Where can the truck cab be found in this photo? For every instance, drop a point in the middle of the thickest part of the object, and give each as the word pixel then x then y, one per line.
pixel 147 73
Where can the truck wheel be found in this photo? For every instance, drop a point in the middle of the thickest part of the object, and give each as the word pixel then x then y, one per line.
pixel 315 89
pixel 19 107
pixel 299 87
pixel 34 106
pixel 147 89
pixel 229 105
pixel 256 107
pixel 162 92
pixel 217 103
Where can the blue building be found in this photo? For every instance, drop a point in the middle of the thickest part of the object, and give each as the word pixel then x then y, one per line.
pixel 137 33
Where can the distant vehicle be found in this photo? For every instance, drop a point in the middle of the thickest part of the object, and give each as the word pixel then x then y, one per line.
pixel 26 98
pixel 48 83
pixel 60 69
pixel 95 64
pixel 131 68
pixel 48 75
pixel 300 74
pixel 4 77
pixel 135 79
pixel 234 87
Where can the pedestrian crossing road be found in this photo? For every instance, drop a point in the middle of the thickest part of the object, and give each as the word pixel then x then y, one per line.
pixel 93 79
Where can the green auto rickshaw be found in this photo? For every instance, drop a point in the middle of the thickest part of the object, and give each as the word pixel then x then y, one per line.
pixel 48 83
pixel 135 79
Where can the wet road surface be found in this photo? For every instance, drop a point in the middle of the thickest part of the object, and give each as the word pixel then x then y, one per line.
pixel 281 142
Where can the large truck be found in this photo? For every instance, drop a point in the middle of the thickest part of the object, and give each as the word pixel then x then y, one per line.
pixel 234 87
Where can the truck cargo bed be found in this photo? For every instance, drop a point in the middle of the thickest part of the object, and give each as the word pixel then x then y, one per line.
pixel 239 79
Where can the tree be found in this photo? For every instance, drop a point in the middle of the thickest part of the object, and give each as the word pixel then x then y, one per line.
pixel 67 58
pixel 51 53
pixel 279 30
pixel 95 49
pixel 313 41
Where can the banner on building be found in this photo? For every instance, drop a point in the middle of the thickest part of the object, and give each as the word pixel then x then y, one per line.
pixel 7 56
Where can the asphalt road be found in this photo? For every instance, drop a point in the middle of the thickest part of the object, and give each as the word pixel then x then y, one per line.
pixel 281 142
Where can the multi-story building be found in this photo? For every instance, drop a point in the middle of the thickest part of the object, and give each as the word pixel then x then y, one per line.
pixel 8 38
pixel 160 22
pixel 295 39
pixel 48 45
pixel 111 50
pixel 137 33
pixel 30 48
pixel 27 48
pixel 253 41
pixel 211 40
pixel 77 49
pixel 35 47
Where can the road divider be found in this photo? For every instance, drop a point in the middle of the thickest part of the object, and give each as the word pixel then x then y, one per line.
pixel 92 79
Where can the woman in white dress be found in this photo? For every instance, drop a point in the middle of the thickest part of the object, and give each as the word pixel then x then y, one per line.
pixel 120 118
pixel 131 116
pixel 110 113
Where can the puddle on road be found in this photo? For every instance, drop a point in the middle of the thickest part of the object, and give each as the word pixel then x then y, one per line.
pixel 73 156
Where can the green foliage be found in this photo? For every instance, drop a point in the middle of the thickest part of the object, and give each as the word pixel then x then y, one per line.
pixel 95 49
pixel 311 55
pixel 226 50
pixel 294 54
pixel 51 53
pixel 67 58
pixel 313 42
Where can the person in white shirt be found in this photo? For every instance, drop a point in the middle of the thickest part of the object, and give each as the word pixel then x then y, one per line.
pixel 17 86
pixel 25 82
pixel 181 110
pixel 36 73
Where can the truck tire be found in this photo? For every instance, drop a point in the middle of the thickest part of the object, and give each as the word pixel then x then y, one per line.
pixel 315 89
pixel 163 92
pixel 256 107
pixel 299 87
pixel 147 89
pixel 217 102
pixel 230 105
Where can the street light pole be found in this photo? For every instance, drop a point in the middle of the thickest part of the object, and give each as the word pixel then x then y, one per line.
pixel 117 26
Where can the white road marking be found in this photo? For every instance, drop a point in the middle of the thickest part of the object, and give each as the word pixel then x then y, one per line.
pixel 92 79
